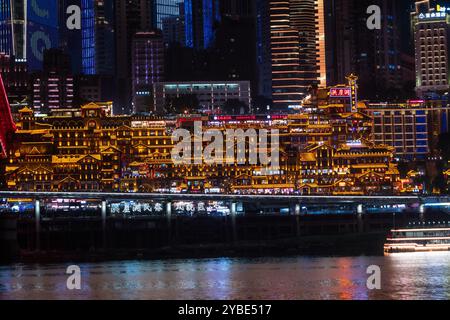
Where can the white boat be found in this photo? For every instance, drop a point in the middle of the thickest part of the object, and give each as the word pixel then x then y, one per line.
pixel 418 240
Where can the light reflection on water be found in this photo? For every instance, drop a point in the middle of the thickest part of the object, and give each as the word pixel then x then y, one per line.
pixel 404 276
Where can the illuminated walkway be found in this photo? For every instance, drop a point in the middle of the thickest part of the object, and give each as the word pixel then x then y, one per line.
pixel 225 197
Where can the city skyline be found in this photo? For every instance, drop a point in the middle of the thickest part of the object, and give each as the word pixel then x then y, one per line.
pixel 193 34
pixel 132 76
pixel 224 149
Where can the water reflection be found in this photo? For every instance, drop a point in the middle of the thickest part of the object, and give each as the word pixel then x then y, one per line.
pixel 404 276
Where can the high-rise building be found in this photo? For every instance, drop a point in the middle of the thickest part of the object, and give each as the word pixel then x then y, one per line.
pixel 377 56
pixel 233 53
pixel 148 68
pixel 70 39
pixel 211 95
pixel 200 17
pixel 28 28
pixel 431 40
pixel 241 8
pixel 13 28
pixel 163 9
pixel 97 30
pixel 263 52
pixel 15 78
pixel 53 88
pixel 131 17
pixel 93 88
pixel 296 40
pixel 174 28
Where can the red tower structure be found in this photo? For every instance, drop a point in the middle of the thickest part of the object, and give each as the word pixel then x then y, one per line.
pixel 7 125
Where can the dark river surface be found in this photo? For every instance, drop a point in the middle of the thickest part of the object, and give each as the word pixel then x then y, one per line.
pixel 403 276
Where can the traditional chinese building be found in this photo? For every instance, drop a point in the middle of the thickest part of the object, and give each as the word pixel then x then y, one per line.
pixel 328 150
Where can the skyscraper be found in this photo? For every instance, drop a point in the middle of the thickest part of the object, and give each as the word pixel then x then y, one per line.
pixel 377 56
pixel 130 17
pixel 28 28
pixel 200 17
pixel 53 88
pixel 13 28
pixel 70 39
pixel 15 78
pixel 241 8
pixel 174 28
pixel 97 37
pixel 162 9
pixel 431 39
pixel 148 68
pixel 294 31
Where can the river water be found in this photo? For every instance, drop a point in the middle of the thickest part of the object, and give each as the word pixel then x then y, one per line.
pixel 403 276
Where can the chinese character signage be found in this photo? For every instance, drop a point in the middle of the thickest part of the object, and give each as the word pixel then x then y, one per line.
pixel 340 92
pixel 137 208
pixel 433 15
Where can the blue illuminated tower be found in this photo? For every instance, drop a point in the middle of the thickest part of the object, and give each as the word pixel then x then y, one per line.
pixel 97 29
pixel 200 17
pixel 6 35
pixel 163 9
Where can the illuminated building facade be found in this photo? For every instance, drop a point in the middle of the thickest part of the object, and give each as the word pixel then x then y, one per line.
pixel 431 39
pixel 87 150
pixel 297 48
pixel 53 88
pixel 130 17
pixel 173 28
pixel 13 28
pixel 27 28
pixel 15 77
pixel 200 17
pixel 164 9
pixel 402 127
pixel 147 68
pixel 412 128
pixel 211 95
pixel 97 33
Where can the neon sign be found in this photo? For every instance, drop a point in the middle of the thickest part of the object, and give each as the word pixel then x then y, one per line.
pixel 432 15
pixel 341 92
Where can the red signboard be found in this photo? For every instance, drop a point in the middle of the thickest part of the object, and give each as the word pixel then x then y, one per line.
pixel 246 118
pixel 340 92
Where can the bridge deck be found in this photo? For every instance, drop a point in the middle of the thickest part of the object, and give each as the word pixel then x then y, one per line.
pixel 225 197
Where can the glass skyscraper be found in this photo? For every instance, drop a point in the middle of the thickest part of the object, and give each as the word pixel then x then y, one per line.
pixel 88 36
pixel 290 49
pixel 200 16
pixel 13 28
pixel 164 9
pixel 97 37
pixel 28 28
